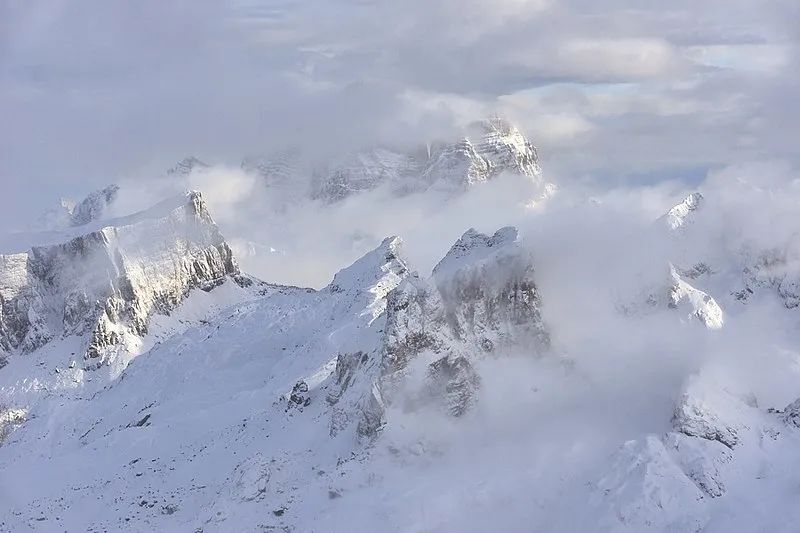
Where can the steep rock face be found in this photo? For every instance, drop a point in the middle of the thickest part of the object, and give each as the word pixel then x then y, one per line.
pixel 711 417
pixel 362 290
pixel 457 166
pixel 791 414
pixel 506 149
pixel 364 171
pixel 481 299
pixel 488 291
pixel 455 381
pixel 418 343
pixel 108 281
pixel 497 146
pixel 10 419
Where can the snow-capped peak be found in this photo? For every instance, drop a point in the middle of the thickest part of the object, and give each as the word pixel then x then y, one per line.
pixel 507 149
pixel 699 304
pixel 367 281
pixel 680 215
pixel 473 247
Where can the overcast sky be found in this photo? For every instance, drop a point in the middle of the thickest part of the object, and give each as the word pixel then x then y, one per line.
pixel 610 91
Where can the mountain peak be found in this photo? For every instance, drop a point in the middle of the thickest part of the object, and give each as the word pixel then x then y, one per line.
pixel 473 247
pixel 383 263
pixel 106 280
pixel 680 215
pixel 93 207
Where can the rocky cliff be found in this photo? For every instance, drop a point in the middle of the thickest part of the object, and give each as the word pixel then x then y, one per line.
pixel 105 281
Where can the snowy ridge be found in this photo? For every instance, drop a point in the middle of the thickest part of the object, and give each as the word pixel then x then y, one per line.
pixel 108 281
pixel 364 171
pixel 700 305
pixel 680 215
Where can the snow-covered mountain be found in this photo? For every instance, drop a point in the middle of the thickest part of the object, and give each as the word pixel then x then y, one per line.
pixel 314 371
pixel 496 147
pixel 104 281
pixel 146 383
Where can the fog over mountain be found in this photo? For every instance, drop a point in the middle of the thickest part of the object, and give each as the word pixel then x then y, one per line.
pixel 375 266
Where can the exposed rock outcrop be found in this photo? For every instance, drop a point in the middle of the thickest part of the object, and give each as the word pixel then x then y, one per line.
pixel 481 299
pixel 111 279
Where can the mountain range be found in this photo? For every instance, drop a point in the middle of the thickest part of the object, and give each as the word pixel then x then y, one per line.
pixel 148 384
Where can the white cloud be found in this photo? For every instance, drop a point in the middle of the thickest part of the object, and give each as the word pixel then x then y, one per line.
pixel 618 59
pixel 92 91
pixel 761 57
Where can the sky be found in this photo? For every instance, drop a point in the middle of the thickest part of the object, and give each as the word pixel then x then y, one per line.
pixel 612 92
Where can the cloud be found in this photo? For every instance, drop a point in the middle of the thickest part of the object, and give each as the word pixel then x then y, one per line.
pixel 92 93
pixel 607 60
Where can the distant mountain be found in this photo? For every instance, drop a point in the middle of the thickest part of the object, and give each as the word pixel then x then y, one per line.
pixel 493 147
